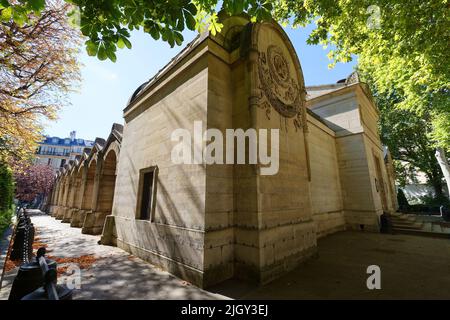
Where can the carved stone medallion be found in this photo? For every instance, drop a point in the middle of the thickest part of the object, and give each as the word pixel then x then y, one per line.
pixel 279 87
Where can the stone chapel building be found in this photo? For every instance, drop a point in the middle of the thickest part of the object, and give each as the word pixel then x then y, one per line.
pixel 208 223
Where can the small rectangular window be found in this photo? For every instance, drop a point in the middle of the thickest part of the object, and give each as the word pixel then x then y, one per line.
pixel 147 193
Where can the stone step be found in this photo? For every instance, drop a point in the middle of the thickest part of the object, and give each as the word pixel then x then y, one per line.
pixel 406 227
pixel 402 220
pixel 421 233
pixel 408 223
pixel 428 226
pixel 445 229
pixel 403 217
pixel 436 228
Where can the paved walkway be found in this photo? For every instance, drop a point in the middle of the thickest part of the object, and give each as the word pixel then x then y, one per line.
pixel 411 267
pixel 115 274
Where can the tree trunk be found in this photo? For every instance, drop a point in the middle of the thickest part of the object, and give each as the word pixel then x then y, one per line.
pixel 445 167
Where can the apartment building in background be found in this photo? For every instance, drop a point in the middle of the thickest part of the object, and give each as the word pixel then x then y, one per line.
pixel 56 152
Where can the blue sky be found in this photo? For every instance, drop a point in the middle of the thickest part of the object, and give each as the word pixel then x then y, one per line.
pixel 106 86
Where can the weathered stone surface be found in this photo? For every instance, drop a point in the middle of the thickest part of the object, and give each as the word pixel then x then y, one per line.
pixel 211 222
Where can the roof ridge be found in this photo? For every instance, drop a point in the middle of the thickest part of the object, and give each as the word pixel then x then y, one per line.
pixel 183 52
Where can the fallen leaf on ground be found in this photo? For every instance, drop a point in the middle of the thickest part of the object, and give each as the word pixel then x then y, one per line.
pixel 37 245
pixel 11 265
pixel 83 262
pixel 62 270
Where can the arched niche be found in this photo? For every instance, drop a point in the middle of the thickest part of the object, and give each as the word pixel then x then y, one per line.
pixel 78 186
pixel 107 180
pixel 89 186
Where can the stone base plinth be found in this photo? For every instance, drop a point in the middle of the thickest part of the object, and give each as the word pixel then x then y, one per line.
pixel 51 210
pixel 55 211
pixel 60 213
pixel 176 268
pixel 68 215
pixel 77 220
pixel 109 234
pixel 94 222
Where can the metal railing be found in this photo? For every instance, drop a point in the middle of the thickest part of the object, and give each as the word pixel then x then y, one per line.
pixel 36 278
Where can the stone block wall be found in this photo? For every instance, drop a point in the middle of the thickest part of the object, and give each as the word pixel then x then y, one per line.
pixel 219 205
pixel 174 236
pixel 326 195
pixel 212 222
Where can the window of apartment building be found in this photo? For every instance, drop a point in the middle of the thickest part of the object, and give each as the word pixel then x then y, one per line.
pixel 147 193
pixel 49 161
pixel 63 162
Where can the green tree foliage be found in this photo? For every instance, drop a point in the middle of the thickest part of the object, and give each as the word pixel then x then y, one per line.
pixel 6 187
pixel 107 23
pixel 407 137
pixel 403 44
pixel 38 69
pixel 6 195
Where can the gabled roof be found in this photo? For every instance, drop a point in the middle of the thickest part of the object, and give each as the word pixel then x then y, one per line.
pixel 98 146
pixel 115 135
pixel 117 131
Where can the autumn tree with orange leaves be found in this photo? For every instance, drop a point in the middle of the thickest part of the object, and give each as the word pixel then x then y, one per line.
pixel 38 68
